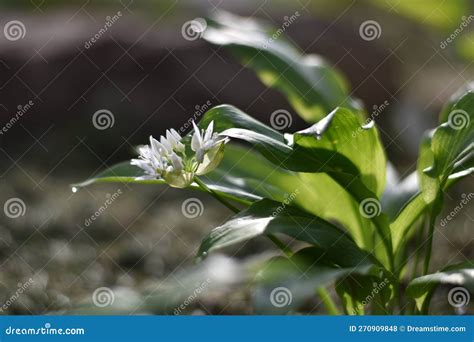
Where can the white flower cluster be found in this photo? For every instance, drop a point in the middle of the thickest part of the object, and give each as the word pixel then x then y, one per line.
pixel 170 159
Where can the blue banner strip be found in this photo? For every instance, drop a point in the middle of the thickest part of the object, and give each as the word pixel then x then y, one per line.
pixel 237 328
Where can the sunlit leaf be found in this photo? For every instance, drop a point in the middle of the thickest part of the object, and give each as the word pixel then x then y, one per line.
pixel 269 217
pixel 422 288
pixel 311 86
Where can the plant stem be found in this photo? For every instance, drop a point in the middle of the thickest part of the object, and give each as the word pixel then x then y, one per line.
pixel 215 195
pixel 328 302
pixel 418 245
pixel 429 248
pixel 284 248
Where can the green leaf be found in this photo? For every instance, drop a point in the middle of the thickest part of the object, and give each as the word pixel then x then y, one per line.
pixel 446 155
pixel 343 131
pixel 271 217
pixel 315 157
pixel 285 284
pixel 241 176
pixel 451 144
pixel 406 220
pixel 361 292
pixel 311 86
pixel 398 192
pixel 227 116
pixel 422 288
pixel 245 174
pixel 123 172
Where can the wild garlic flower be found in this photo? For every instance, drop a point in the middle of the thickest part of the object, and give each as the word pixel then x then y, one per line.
pixel 168 158
pixel 209 148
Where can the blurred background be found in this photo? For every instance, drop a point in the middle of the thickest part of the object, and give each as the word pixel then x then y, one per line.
pixel 144 72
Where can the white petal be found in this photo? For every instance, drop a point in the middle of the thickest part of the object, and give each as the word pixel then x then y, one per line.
pixel 166 144
pixel 144 166
pixel 209 131
pixel 156 146
pixel 180 147
pixel 175 134
pixel 171 138
pixel 200 155
pixel 176 161
pixel 144 151
pixel 196 141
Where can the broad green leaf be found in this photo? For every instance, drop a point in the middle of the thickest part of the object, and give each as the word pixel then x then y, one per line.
pixel 446 155
pixel 227 116
pixel 457 99
pixel 406 219
pixel 451 142
pixel 284 284
pixel 317 193
pixel 244 171
pixel 270 217
pixel 311 86
pixel 422 288
pixel 120 173
pixel 343 131
pixel 314 158
pixel 398 192
pixel 322 196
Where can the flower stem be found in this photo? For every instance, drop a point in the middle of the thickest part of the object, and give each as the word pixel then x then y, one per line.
pixel 284 248
pixel 429 248
pixel 328 302
pixel 215 195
